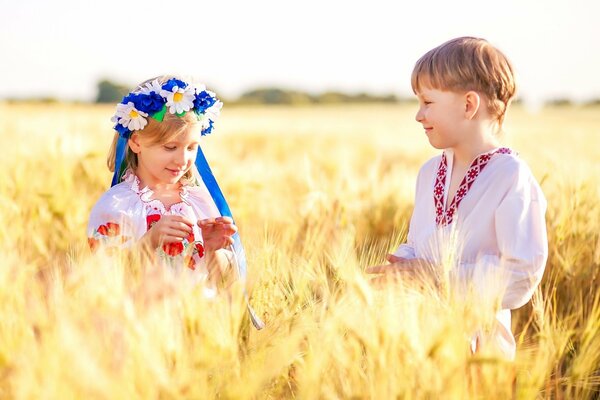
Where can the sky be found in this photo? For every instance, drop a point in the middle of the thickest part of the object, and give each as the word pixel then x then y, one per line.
pixel 61 48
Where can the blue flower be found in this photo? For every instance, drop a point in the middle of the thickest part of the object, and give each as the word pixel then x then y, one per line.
pixel 124 132
pixel 128 98
pixel 207 130
pixel 202 101
pixel 171 83
pixel 149 103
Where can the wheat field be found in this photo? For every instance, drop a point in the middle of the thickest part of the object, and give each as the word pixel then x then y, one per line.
pixel 318 194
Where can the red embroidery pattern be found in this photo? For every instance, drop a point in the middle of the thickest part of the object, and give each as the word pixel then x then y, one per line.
pixel 108 234
pixel 444 217
pixel 175 249
pixel 110 229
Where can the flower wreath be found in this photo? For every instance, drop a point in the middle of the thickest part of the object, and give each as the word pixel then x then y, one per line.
pixel 154 100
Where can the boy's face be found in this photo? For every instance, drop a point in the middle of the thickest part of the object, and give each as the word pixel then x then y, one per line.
pixel 442 114
pixel 165 163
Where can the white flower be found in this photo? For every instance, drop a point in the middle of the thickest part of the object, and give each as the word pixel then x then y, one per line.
pixel 215 110
pixel 204 121
pixel 199 88
pixel 129 117
pixel 153 86
pixel 179 100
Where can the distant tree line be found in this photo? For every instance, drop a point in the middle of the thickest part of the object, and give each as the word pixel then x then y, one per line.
pixel 111 92
pixel 293 97
pixel 108 91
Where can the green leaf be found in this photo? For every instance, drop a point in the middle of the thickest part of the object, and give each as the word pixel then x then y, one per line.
pixel 160 115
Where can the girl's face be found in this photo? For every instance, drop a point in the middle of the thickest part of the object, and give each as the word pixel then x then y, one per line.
pixel 442 114
pixel 165 163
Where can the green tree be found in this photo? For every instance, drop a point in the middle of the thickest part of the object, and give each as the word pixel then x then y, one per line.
pixel 110 92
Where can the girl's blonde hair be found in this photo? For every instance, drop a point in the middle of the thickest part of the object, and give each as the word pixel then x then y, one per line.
pixel 468 63
pixel 156 132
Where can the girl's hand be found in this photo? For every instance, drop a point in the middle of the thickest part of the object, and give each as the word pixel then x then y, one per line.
pixel 169 229
pixel 415 268
pixel 217 232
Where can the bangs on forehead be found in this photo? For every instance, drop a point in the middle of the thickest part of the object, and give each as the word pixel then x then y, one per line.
pixel 171 127
pixel 432 72
pixel 420 80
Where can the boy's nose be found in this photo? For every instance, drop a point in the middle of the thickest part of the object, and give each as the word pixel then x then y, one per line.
pixel 419 116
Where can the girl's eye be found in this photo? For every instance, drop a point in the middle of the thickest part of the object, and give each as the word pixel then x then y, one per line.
pixel 192 148
pixel 170 148
pixel 427 103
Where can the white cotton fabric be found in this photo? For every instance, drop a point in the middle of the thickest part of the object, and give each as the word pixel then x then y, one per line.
pixel 498 235
pixel 130 206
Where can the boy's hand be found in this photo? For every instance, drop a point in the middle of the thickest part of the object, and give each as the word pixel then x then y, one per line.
pixel 403 268
pixel 169 229
pixel 217 232
pixel 393 258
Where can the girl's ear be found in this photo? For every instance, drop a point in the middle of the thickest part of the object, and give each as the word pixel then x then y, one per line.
pixel 472 103
pixel 134 143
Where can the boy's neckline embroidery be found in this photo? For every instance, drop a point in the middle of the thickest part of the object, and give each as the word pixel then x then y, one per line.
pixel 146 193
pixel 445 217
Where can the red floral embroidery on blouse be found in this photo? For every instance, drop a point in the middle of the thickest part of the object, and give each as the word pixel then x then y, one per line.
pixel 173 249
pixel 151 220
pixel 110 229
pixel 200 249
pixel 93 243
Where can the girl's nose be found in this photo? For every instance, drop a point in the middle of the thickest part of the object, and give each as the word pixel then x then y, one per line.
pixel 181 158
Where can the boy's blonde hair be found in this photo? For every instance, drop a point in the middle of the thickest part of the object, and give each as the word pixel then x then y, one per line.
pixel 156 132
pixel 468 63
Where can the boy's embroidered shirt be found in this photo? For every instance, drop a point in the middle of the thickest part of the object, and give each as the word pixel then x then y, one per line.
pixel 126 211
pixel 498 231
pixel 444 215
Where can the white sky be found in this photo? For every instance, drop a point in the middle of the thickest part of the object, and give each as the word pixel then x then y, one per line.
pixel 61 48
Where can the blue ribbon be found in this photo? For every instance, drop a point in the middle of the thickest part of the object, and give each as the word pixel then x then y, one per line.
pixel 120 153
pixel 238 250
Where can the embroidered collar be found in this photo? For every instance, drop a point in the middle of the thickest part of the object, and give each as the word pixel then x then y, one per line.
pixel 445 216
pixel 146 193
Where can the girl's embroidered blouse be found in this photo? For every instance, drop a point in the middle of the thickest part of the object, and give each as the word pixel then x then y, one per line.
pixel 126 211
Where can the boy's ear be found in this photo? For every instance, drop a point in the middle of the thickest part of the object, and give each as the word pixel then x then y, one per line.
pixel 472 104
pixel 134 143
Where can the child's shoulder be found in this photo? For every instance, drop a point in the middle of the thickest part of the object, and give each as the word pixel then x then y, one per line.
pixel 513 167
pixel 512 172
pixel 118 198
pixel 199 197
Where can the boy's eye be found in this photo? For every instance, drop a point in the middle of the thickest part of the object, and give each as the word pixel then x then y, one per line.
pixel 192 148
pixel 170 147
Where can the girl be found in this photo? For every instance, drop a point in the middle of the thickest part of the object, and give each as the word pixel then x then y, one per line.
pixel 163 195
pixel 476 199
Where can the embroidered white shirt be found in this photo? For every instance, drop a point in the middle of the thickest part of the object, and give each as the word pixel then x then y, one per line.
pixel 498 231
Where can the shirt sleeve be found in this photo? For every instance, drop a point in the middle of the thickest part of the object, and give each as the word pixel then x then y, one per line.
pixel 406 250
pixel 520 229
pixel 110 226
